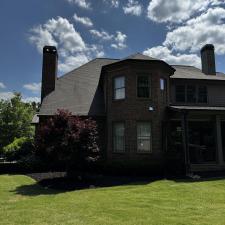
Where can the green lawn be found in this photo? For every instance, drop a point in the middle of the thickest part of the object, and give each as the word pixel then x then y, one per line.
pixel 163 202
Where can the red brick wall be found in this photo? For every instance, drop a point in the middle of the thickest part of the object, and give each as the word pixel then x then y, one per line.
pixel 132 109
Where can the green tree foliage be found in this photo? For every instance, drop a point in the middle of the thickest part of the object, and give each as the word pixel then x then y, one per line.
pixel 15 119
pixel 18 149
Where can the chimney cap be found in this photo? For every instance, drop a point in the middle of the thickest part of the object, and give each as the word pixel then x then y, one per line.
pixel 207 47
pixel 50 49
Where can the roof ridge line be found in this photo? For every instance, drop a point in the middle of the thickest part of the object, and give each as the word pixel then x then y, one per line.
pixel 82 66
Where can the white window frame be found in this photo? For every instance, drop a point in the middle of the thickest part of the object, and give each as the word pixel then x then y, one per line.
pixel 115 139
pixel 115 89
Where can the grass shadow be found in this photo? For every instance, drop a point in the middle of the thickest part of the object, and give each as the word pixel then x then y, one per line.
pixel 201 179
pixel 34 190
pixel 49 186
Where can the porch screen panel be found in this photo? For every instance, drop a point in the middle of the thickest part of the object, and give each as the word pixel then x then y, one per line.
pixel 191 93
pixel 180 93
pixel 202 141
pixel 202 94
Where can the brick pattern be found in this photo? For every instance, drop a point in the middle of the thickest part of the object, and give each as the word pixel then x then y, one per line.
pixel 49 70
pixel 133 109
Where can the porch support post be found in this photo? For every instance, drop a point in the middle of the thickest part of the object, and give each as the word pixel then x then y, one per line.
pixel 219 140
pixel 185 141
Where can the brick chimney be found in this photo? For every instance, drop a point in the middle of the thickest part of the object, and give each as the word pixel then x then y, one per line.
pixel 49 70
pixel 208 60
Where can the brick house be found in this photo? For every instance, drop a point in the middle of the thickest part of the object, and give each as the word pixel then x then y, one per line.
pixel 148 112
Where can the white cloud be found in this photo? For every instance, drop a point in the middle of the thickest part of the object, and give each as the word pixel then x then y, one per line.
pixel 177 11
pixel 2 85
pixel 41 37
pixel 9 95
pixel 207 28
pixel 61 33
pixel 102 35
pixel 81 3
pixel 133 7
pixel 217 2
pixel 120 39
pixel 34 87
pixel 6 95
pixel 83 20
pixel 31 99
pixel 65 34
pixel 56 31
pixel 163 53
pixel 184 41
pixel 72 62
pixel 113 3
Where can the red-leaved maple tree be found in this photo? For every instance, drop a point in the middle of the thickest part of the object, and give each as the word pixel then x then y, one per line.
pixel 67 139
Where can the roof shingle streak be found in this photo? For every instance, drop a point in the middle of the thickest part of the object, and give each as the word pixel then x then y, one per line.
pixel 191 72
pixel 78 91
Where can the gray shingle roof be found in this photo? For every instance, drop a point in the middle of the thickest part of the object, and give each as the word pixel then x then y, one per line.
pixel 78 91
pixel 191 72
pixel 139 56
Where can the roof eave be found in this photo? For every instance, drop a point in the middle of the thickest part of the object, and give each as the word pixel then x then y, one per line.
pixel 145 60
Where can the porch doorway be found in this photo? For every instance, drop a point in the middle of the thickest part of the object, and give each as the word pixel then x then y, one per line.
pixel 202 142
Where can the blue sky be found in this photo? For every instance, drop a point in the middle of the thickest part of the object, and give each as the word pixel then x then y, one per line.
pixel 84 29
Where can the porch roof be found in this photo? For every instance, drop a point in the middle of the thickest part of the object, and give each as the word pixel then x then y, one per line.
pixel 197 108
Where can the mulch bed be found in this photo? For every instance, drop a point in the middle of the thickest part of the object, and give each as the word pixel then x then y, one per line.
pixel 60 180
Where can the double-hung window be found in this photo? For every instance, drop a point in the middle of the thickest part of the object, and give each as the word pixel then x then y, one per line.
pixel 162 84
pixel 202 94
pixel 118 137
pixel 191 94
pixel 119 87
pixel 143 86
pixel 180 93
pixel 144 137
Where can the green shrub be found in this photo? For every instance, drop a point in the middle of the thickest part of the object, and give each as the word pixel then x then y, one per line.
pixel 19 148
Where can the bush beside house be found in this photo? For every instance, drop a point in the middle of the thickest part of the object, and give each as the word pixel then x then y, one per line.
pixel 67 140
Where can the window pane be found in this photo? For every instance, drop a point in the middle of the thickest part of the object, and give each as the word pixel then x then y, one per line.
pixel 143 87
pixel 180 93
pixel 143 81
pixel 120 93
pixel 143 129
pixel 119 129
pixel 118 137
pixel 119 82
pixel 119 88
pixel 143 92
pixel 144 136
pixel 162 84
pixel 202 94
pixel 144 144
pixel 191 94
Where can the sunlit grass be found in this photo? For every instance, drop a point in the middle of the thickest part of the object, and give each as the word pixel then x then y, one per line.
pixel 163 202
